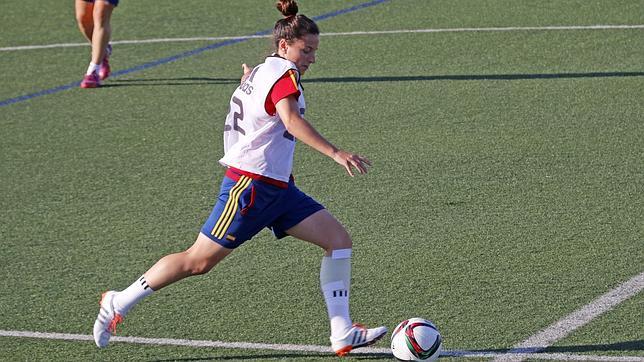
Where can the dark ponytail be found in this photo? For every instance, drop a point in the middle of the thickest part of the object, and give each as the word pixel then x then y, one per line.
pixel 292 26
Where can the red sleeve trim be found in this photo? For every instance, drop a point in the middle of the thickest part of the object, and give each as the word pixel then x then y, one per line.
pixel 284 87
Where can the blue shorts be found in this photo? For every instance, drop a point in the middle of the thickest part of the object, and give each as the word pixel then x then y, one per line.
pixel 113 2
pixel 248 204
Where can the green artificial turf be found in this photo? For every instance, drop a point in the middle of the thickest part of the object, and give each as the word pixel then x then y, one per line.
pixel 506 190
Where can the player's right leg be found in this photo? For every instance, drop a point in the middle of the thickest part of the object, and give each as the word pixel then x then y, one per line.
pixel 202 256
pixel 322 229
pixel 85 20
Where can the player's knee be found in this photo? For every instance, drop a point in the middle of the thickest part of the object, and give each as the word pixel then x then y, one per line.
pixel 99 24
pixel 198 266
pixel 101 18
pixel 199 269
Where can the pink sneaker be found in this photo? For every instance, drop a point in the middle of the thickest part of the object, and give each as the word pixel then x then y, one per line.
pixel 104 70
pixel 90 81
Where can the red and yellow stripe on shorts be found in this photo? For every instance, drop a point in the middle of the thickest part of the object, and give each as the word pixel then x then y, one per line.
pixel 227 216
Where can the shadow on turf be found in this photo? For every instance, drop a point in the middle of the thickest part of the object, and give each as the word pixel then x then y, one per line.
pixel 474 77
pixel 294 356
pixel 637 345
pixel 206 80
pixel 168 81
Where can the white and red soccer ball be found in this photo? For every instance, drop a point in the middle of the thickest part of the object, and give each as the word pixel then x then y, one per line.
pixel 416 339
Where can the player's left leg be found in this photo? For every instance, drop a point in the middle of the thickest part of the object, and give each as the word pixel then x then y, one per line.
pixel 322 229
pixel 225 229
pixel 200 258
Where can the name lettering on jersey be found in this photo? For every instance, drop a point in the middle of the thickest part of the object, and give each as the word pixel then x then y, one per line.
pixel 246 88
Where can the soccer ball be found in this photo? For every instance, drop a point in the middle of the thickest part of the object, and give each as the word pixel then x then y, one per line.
pixel 416 339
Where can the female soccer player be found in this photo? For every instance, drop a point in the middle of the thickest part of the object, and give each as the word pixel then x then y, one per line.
pixel 258 190
pixel 93 18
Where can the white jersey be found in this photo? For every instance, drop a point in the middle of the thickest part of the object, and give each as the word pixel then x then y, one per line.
pixel 255 141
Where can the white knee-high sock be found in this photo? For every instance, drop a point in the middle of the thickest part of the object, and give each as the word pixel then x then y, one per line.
pixel 128 298
pixel 335 280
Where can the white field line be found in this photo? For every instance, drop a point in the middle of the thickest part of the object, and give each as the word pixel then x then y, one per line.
pixel 351 33
pixel 578 318
pixel 298 348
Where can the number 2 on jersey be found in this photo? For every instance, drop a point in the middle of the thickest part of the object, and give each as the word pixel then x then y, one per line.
pixel 237 116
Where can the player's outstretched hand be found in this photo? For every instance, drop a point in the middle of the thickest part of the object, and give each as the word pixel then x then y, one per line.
pixel 351 160
pixel 246 71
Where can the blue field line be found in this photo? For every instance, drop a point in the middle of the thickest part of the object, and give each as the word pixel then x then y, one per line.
pixel 349 10
pixel 183 55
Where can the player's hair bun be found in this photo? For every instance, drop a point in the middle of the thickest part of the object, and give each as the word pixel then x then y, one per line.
pixel 292 26
pixel 287 7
